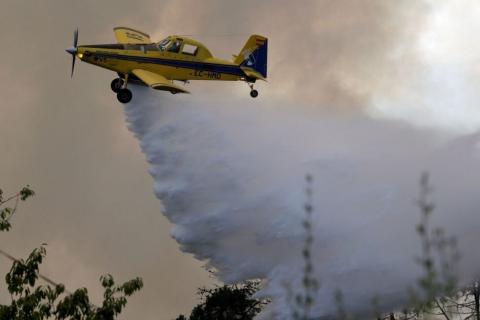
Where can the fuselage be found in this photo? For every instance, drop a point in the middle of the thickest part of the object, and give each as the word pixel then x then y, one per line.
pixel 136 58
pixel 123 58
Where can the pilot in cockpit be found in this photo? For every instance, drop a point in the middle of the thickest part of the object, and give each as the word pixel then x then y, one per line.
pixel 175 47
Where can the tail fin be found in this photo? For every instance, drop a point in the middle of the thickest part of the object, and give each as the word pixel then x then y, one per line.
pixel 254 55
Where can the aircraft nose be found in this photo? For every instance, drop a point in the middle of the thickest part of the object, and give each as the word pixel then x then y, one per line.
pixel 72 50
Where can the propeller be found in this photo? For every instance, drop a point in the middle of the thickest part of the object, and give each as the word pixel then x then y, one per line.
pixel 73 50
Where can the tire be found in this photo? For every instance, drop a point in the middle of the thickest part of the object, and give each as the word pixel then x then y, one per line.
pixel 116 84
pixel 254 93
pixel 124 95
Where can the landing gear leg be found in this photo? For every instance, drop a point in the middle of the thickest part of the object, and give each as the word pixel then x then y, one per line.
pixel 253 92
pixel 123 94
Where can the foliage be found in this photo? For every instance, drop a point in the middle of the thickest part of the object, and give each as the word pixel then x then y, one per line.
pixel 304 300
pixel 436 293
pixel 439 255
pixel 228 302
pixel 30 301
pixel 438 260
pixel 6 213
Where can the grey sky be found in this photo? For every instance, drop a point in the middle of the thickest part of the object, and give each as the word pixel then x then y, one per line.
pixel 67 137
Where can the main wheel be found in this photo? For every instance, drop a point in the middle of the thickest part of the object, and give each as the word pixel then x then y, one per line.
pixel 124 95
pixel 253 93
pixel 116 84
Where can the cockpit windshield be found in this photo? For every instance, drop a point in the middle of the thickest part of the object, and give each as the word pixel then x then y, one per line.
pixel 163 45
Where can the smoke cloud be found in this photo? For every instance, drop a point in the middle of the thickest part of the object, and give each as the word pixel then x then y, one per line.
pixel 328 54
pixel 230 175
pixel 331 55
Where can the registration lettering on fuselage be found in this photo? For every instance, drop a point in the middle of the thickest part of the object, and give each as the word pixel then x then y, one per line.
pixel 206 74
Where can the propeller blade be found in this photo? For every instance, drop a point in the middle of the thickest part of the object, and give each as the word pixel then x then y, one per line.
pixel 73 50
pixel 73 65
pixel 75 38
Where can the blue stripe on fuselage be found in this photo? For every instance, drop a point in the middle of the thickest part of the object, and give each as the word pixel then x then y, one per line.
pixel 220 68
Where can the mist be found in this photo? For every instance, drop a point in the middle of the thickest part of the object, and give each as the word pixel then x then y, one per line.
pixel 330 55
pixel 230 175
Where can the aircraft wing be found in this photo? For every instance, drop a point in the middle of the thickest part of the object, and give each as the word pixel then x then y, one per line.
pixel 157 81
pixel 130 36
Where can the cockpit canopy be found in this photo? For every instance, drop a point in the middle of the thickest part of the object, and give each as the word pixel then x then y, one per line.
pixel 162 45
pixel 184 46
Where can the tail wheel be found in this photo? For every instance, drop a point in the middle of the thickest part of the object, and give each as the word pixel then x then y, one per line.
pixel 117 84
pixel 253 92
pixel 124 95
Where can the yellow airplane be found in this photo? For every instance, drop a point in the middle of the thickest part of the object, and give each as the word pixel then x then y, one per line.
pixel 137 59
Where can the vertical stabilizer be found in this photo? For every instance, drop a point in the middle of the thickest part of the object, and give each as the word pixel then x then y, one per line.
pixel 254 54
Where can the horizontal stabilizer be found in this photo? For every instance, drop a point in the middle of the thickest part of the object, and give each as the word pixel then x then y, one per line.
pixel 251 73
